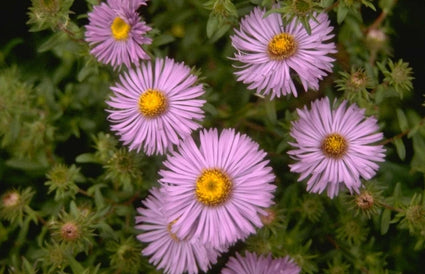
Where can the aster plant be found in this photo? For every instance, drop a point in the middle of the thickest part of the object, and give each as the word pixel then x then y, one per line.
pixel 252 263
pixel 335 146
pixel 156 105
pixel 116 33
pixel 269 54
pixel 118 156
pixel 167 250
pixel 216 191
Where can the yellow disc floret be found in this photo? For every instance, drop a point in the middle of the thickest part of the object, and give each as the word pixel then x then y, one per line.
pixel 282 46
pixel 213 187
pixel 334 146
pixel 120 29
pixel 152 103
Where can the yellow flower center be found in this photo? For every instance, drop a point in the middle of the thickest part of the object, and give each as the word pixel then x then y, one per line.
pixel 152 103
pixel 334 146
pixel 120 29
pixel 282 46
pixel 172 235
pixel 213 187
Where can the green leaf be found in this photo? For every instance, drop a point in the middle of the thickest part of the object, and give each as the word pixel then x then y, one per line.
pixel 326 3
pixel 75 265
pixel 86 158
pixel 220 32
pixel 401 149
pixel 369 4
pixel 402 120
pixel 29 269
pixel 418 160
pixel 386 5
pixel 212 25
pixel 163 39
pixel 341 13
pixel 216 27
pixel 25 164
pixel 385 221
pixel 86 71
pixel 106 231
pixel 98 196
pixel 54 41
pixel 270 106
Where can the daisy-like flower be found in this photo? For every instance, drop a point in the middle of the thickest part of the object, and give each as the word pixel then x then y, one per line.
pixel 269 51
pixel 116 33
pixel 335 147
pixel 254 264
pixel 156 105
pixel 167 251
pixel 217 191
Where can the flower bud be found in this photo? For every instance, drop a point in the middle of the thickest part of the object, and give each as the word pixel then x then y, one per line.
pixel 62 180
pixel 105 146
pixel 376 39
pixel 69 231
pixel 125 256
pixel 399 76
pixel 365 201
pixel 11 199
pixel 124 170
pixel 269 218
pixel 73 230
pixel 14 204
pixel 311 208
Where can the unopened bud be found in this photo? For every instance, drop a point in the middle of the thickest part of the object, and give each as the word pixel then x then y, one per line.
pixel 358 79
pixel 365 201
pixel 415 213
pixel 269 218
pixel 376 39
pixel 70 231
pixel 11 199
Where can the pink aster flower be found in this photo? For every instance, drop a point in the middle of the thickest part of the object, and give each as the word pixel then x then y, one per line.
pixel 254 264
pixel 156 105
pixel 116 33
pixel 335 147
pixel 167 251
pixel 216 191
pixel 269 53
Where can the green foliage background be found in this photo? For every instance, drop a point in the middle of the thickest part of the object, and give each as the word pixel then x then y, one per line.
pixel 59 158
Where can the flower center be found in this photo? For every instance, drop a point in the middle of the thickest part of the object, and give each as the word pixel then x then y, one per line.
pixel 120 29
pixel 172 235
pixel 282 46
pixel 334 146
pixel 152 103
pixel 213 187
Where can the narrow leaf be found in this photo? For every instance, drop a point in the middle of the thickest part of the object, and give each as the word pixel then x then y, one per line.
pixel 385 221
pixel 402 120
pixel 401 149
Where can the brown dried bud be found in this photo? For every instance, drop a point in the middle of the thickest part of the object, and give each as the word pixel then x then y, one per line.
pixel 365 200
pixel 11 199
pixel 70 231
pixel 269 218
